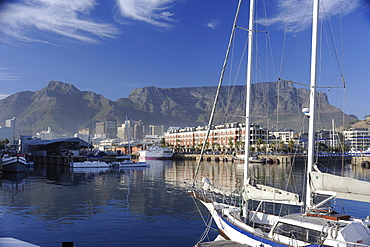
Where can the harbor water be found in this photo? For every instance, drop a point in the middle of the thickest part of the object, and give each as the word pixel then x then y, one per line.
pixel 50 204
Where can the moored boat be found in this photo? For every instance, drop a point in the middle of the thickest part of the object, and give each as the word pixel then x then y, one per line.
pixel 252 159
pixel 89 164
pixel 156 153
pixel 129 163
pixel 14 163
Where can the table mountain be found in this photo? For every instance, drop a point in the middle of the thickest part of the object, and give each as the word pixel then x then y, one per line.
pixel 66 109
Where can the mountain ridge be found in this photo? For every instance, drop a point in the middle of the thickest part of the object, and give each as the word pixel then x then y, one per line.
pixel 66 109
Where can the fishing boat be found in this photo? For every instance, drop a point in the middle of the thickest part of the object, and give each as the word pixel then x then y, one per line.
pixel 14 163
pixel 316 224
pixel 156 153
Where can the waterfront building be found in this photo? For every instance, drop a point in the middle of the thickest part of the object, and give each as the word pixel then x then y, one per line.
pixel 284 136
pixel 126 130
pixel 329 138
pixel 84 134
pixel 110 127
pixel 357 138
pixel 99 128
pixel 150 139
pixel 139 130
pixel 45 134
pixel 156 130
pixel 230 135
pixel 107 129
pixel 12 123
pixel 108 144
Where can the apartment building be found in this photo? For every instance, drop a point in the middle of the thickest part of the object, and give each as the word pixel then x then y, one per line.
pixel 357 138
pixel 225 135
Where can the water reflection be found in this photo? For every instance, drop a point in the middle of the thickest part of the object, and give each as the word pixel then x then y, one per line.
pixel 55 202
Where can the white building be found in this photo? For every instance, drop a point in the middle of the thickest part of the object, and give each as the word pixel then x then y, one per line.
pixel 12 123
pixel 284 136
pixel 45 134
pixel 358 138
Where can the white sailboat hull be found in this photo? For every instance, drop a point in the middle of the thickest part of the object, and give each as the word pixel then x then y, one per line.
pixel 351 232
pixel 237 231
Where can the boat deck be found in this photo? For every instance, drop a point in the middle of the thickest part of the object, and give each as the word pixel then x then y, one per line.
pixel 222 243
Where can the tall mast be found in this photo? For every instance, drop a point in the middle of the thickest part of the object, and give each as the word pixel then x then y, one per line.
pixel 311 129
pixel 248 90
pixel 128 137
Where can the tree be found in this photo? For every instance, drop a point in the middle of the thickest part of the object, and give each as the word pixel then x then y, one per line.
pixel 3 143
pixel 291 145
pixel 231 143
pixel 282 146
pixel 273 146
pixel 258 144
pixel 163 142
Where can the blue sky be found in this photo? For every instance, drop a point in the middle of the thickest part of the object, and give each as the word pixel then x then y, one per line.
pixel 113 46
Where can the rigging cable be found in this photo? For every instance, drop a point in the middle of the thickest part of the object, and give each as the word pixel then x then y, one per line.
pixel 218 90
pixel 207 223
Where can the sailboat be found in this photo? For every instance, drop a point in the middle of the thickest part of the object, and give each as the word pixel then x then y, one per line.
pixel 314 225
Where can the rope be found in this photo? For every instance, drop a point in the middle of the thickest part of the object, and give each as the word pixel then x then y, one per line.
pixel 205 233
pixel 207 223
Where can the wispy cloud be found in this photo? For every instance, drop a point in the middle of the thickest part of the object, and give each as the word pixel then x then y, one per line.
pixel 3 96
pixel 155 12
pixel 5 75
pixel 212 24
pixel 25 20
pixel 289 13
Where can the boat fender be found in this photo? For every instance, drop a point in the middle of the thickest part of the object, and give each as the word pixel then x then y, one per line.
pixel 334 231
pixel 365 164
pixel 324 232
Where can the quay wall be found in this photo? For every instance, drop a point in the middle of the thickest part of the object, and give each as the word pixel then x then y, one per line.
pixel 230 158
pixel 273 159
pixel 363 161
pixel 65 160
pixel 57 160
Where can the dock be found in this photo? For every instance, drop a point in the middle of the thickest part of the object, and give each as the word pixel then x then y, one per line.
pixel 272 159
pixel 66 159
